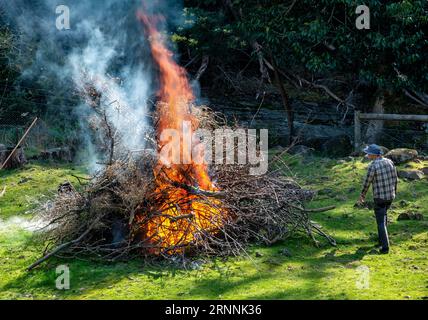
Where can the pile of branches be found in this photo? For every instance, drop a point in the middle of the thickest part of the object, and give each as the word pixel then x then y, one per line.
pixel 108 215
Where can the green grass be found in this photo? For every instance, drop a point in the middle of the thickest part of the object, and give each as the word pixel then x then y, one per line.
pixel 310 273
pixel 29 186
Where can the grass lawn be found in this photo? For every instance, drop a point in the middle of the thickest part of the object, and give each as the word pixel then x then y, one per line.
pixel 310 273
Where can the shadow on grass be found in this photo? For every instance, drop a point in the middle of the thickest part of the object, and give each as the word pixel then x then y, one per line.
pixel 94 276
pixel 86 276
pixel 311 276
pixel 219 281
pixel 357 229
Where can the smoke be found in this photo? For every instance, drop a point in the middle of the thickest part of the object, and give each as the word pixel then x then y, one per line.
pixel 105 44
pixel 13 223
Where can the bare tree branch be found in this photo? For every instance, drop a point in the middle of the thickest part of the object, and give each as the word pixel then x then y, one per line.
pixel 419 98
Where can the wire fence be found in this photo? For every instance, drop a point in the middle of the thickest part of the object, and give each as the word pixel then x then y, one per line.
pixel 42 137
pixel 13 126
pixel 395 136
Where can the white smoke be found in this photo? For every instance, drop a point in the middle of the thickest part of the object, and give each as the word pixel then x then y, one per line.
pixel 124 97
pixel 16 222
pixel 105 44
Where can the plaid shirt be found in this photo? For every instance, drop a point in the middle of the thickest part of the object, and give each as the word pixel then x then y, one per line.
pixel 383 175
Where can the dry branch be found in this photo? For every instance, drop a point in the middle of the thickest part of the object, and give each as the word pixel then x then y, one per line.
pixel 321 209
pixel 117 213
pixel 61 248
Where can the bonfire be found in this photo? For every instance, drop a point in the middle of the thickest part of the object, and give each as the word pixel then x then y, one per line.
pixel 148 206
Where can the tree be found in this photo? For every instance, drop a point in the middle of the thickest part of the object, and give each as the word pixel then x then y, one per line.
pixel 321 47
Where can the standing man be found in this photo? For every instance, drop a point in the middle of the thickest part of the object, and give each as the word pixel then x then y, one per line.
pixel 383 175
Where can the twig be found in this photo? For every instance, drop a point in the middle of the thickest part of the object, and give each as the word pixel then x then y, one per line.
pixel 258 110
pixel 416 99
pixel 331 240
pixel 165 215
pixel 320 209
pixel 62 247
pixel 81 178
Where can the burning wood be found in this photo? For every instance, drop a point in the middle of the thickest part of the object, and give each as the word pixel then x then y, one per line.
pixel 176 209
pixel 165 218
pixel 178 185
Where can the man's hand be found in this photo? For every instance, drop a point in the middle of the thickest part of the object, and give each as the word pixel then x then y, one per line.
pixel 362 199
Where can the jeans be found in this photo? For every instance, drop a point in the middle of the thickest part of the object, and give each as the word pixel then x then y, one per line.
pixel 381 207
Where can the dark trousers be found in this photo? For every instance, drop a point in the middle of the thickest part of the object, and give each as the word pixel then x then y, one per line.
pixel 381 208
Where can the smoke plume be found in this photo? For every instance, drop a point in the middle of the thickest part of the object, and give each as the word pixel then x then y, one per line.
pixel 105 45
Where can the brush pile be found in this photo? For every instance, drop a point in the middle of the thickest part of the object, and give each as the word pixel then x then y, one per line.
pixel 116 214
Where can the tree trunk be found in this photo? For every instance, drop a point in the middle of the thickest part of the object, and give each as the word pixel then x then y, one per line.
pixel 203 67
pixel 237 15
pixel 285 101
pixel 375 127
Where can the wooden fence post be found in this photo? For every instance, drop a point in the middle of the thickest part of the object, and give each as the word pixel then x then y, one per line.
pixel 357 131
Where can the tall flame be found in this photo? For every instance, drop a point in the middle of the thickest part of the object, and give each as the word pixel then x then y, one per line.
pixel 183 214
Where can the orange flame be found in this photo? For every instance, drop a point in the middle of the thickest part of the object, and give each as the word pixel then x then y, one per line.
pixel 183 215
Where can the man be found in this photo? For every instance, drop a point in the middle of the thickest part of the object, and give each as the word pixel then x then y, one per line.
pixel 382 174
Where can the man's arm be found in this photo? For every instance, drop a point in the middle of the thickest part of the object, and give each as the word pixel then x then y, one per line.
pixel 368 180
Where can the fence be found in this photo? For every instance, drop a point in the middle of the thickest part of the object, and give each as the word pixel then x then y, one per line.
pixel 359 117
pixel 13 127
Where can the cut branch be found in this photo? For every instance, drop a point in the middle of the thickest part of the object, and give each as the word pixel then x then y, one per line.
pixel 321 209
pixel 63 247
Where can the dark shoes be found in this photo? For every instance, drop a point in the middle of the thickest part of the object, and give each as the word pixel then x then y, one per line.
pixel 384 251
